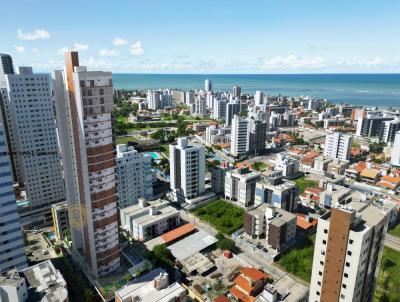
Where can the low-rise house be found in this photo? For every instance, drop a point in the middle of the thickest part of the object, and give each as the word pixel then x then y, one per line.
pixel 333 195
pixel 40 282
pixel 285 289
pixel 249 284
pixel 274 191
pixel 277 226
pixel 149 219
pixel 152 287
pixel 389 182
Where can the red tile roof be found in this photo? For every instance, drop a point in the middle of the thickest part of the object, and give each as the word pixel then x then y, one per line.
pixel 178 232
pixel 253 273
pixel 302 223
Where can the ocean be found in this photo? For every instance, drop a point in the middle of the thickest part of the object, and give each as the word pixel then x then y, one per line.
pixel 381 90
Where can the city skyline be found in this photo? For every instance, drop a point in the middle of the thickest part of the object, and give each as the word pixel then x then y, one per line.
pixel 208 37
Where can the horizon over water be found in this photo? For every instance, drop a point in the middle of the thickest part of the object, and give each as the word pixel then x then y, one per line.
pixel 381 90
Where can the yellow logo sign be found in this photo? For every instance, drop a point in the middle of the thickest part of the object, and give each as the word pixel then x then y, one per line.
pixel 77 215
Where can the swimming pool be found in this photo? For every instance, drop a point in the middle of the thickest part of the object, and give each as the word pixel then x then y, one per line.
pixel 154 155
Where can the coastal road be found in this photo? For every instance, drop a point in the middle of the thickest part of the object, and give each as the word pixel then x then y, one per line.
pixel 247 257
pixel 393 242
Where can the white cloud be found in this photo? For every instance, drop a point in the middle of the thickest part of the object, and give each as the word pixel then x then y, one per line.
pixel 19 49
pixel 47 65
pixel 293 62
pixel 80 47
pixel 137 49
pixel 108 53
pixel 34 35
pixel 119 41
pixel 35 50
pixel 62 50
pixel 75 47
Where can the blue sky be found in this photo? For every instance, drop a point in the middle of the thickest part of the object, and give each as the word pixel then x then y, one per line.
pixel 207 36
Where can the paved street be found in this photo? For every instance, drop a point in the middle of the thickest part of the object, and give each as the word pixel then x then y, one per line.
pixel 393 242
pixel 247 257
pixel 37 244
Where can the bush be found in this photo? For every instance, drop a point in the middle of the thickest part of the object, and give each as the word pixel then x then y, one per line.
pixel 224 216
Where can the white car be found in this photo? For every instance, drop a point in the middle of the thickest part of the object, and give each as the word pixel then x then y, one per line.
pixel 36 231
pixel 44 252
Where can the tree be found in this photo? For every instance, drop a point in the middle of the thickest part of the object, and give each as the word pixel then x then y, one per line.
pixel 161 256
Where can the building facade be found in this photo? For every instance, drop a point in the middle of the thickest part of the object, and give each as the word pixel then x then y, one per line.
pixel 84 102
pixel 134 176
pixel 187 169
pixel 337 145
pixel 240 186
pixel 239 136
pixel 29 111
pixel 347 253
pixel 395 159
pixel 12 248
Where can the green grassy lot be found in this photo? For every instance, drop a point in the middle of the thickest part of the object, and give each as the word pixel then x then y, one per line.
pixel 224 216
pixel 298 260
pixel 302 183
pixel 388 284
pixel 259 166
pixel 165 149
pixel 124 139
pixel 395 231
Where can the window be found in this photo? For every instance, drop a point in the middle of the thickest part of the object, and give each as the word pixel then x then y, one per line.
pixel 346 275
pixel 325 231
pixel 342 296
pixel 344 285
pixel 351 241
pixel 318 293
pixel 320 273
pixel 324 242
pixel 349 253
pixel 347 264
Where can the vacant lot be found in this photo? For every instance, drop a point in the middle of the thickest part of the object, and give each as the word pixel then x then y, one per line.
pixel 224 216
pixel 302 183
pixel 395 231
pixel 298 260
pixel 388 285
pixel 124 139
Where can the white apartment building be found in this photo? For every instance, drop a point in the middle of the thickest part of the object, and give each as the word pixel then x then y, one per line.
pixel 219 109
pixel 149 219
pixel 207 85
pixel 290 167
pixel 200 106
pixel 6 67
pixel 239 136
pixel 259 98
pixel 395 159
pixel 232 108
pixel 240 186
pixel 153 100
pixel 337 145
pixel 134 176
pixel 216 135
pixel 187 169
pixel 189 99
pixel 12 248
pixel 84 102
pixel 390 128
pixel 29 111
pixel 236 91
pixel 347 253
